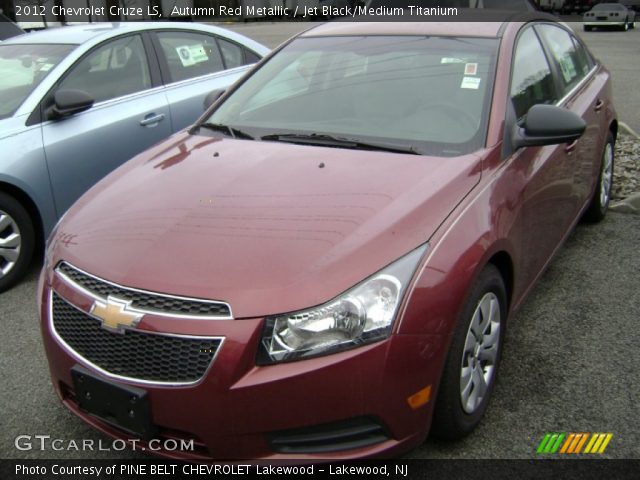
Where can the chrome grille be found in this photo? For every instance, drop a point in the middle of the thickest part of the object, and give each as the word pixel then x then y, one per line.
pixel 134 354
pixel 145 301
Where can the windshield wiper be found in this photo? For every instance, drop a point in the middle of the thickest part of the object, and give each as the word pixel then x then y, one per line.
pixel 343 142
pixel 228 129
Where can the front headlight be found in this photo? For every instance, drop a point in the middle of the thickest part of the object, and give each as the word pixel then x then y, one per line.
pixel 361 315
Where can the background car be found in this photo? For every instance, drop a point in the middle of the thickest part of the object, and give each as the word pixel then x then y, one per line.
pixel 609 15
pixel 345 253
pixel 76 102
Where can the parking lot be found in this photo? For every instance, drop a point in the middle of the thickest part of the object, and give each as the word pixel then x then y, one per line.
pixel 571 354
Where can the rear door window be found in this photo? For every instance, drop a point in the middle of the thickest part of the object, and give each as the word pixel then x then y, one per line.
pixel 573 65
pixel 190 55
pixel 231 53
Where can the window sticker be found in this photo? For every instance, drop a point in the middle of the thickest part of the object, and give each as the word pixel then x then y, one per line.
pixel 451 60
pixel 192 54
pixel 472 83
pixel 568 68
pixel 471 69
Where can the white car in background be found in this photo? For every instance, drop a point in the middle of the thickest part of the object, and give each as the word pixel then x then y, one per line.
pixel 609 15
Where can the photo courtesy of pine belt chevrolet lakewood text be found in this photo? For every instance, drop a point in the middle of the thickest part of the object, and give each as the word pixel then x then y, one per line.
pixel 324 265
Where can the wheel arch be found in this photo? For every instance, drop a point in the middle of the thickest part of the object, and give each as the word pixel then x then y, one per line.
pixel 30 205
pixel 613 128
pixel 504 263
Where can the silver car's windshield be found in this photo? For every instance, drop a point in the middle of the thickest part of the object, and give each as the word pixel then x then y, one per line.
pixel 608 6
pixel 22 68
pixel 427 94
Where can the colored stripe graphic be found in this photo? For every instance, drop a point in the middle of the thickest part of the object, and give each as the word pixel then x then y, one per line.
pixel 573 443
pixel 598 443
pixel 543 443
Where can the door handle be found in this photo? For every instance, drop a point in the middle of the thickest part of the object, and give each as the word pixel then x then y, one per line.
pixel 571 147
pixel 151 119
pixel 598 106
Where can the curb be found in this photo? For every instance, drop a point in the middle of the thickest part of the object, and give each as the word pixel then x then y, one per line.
pixel 631 204
pixel 628 130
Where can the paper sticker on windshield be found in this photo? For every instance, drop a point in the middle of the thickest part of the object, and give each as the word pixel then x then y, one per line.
pixel 451 60
pixel 472 83
pixel 568 69
pixel 471 69
pixel 192 54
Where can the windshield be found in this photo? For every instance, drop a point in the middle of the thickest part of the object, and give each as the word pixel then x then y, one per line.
pixel 426 94
pixel 22 68
pixel 608 6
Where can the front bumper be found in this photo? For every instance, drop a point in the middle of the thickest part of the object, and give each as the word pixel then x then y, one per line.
pixel 595 23
pixel 238 409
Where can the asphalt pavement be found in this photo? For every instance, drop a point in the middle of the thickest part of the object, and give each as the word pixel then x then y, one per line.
pixel 570 360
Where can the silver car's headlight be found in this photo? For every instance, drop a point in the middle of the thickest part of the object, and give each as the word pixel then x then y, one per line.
pixel 361 315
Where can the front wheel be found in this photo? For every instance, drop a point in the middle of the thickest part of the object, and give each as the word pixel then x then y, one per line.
pixel 17 241
pixel 472 363
pixel 602 194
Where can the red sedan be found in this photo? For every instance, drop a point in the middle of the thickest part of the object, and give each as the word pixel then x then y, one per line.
pixel 324 265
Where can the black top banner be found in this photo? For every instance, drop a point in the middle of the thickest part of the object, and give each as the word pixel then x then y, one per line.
pixel 42 13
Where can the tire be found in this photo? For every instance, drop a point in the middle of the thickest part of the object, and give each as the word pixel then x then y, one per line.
pixel 17 241
pixel 602 194
pixel 456 412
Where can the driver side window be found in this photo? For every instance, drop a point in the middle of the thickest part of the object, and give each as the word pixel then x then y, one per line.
pixel 531 79
pixel 117 68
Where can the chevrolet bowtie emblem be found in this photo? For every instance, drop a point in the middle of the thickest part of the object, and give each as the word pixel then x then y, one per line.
pixel 116 314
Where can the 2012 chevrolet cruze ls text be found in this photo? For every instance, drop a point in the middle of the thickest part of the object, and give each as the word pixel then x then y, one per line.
pixel 323 266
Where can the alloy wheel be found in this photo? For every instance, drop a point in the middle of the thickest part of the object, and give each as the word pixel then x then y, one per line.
pixel 606 175
pixel 480 353
pixel 10 243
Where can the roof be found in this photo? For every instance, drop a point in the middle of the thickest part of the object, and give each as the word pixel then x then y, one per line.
pixel 479 23
pixel 78 34
pixel 475 29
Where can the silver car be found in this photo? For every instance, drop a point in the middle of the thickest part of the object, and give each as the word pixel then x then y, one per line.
pixel 609 15
pixel 76 102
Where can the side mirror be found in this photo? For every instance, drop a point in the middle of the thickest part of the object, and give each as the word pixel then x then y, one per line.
pixel 211 98
pixel 547 125
pixel 69 102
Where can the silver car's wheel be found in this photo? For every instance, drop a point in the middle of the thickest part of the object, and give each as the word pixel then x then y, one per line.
pixel 480 353
pixel 10 243
pixel 17 240
pixel 606 175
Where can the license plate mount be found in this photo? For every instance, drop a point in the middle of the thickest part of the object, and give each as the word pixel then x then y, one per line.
pixel 122 406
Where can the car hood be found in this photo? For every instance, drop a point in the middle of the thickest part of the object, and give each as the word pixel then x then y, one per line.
pixel 268 227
